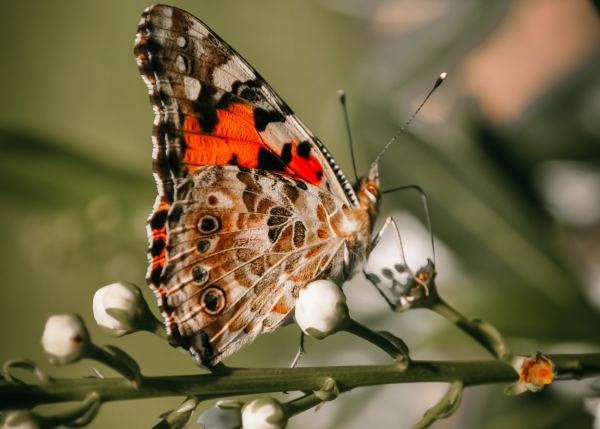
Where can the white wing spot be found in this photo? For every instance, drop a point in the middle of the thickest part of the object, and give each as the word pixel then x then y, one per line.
pixel 163 22
pixel 180 62
pixel 192 87
pixel 181 41
pixel 223 79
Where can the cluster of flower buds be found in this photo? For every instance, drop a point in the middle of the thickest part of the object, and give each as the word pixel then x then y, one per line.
pixel 119 309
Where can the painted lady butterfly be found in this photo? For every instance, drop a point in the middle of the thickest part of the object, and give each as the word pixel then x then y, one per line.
pixel 251 207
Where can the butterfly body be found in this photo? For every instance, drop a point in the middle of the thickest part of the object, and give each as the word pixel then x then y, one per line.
pixel 251 206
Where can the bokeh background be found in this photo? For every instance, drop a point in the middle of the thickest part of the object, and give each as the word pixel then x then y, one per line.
pixel 507 150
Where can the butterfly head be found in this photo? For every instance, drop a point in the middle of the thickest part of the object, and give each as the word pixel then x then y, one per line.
pixel 368 192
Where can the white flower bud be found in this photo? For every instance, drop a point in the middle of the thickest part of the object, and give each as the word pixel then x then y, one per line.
pixel 65 339
pixel 225 414
pixel 264 413
pixel 321 309
pixel 21 419
pixel 118 308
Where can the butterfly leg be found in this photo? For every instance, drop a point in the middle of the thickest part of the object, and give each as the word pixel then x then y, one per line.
pixel 390 221
pixel 381 292
pixel 425 208
pixel 300 351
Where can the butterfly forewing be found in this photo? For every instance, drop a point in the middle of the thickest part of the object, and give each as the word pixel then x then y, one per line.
pixel 214 109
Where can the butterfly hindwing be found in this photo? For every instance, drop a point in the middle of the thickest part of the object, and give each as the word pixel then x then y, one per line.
pixel 240 245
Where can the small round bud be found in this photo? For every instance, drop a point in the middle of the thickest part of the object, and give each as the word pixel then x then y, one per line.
pixel 328 392
pixel 118 308
pixel 65 339
pixel 264 413
pixel 21 419
pixel 321 309
pixel 225 414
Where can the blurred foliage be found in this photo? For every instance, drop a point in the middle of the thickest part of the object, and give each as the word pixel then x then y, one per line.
pixel 75 149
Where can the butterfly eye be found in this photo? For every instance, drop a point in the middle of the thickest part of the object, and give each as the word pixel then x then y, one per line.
pixel 373 193
pixel 213 300
pixel 209 224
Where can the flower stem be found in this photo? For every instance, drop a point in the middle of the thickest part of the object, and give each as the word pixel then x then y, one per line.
pixel 399 352
pixel 80 415
pixel 301 404
pixel 444 408
pixel 482 332
pixel 99 354
pixel 156 327
pixel 245 381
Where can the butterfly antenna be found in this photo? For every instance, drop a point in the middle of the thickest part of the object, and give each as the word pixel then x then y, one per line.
pixel 425 209
pixel 438 82
pixel 342 96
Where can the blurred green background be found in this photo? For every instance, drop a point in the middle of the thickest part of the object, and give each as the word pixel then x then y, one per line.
pixel 508 151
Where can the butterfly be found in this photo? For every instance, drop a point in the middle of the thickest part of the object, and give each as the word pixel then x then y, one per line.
pixel 251 206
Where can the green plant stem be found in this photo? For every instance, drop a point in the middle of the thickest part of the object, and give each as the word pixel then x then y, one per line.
pixel 100 355
pixel 156 327
pixel 244 381
pixel 492 341
pixel 375 338
pixel 177 417
pixel 446 407
pixel 301 404
pixel 81 414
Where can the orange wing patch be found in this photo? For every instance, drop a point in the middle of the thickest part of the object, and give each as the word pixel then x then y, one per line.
pixel 236 141
pixel 306 165
pixel 281 307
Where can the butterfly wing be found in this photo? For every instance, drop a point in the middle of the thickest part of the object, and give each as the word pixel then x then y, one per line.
pixel 247 193
pixel 213 108
pixel 241 244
